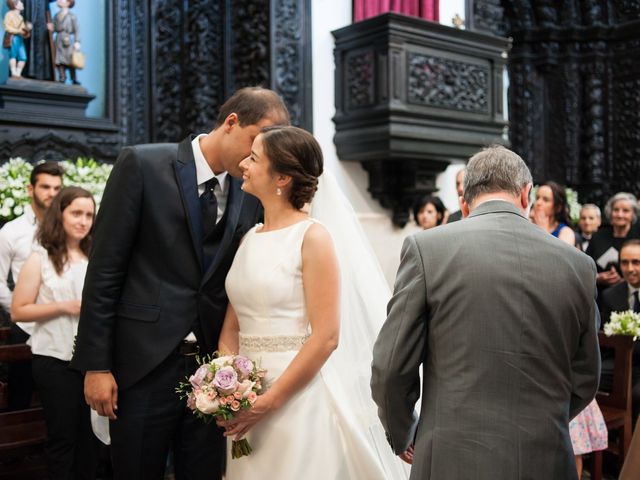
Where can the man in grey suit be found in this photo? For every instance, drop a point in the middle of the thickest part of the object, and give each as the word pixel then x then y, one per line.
pixel 503 318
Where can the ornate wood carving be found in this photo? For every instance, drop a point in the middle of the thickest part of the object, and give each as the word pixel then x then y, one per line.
pixel 250 25
pixel 360 68
pixel 573 97
pixel 446 83
pixel 398 90
pixel 291 58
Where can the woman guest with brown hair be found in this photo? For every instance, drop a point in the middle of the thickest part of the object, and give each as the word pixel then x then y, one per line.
pixel 551 212
pixel 48 292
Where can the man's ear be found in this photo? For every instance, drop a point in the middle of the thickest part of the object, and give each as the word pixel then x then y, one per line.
pixel 524 195
pixel 30 190
pixel 464 207
pixel 230 122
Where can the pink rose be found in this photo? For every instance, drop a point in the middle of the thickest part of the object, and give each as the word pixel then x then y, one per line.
pixel 197 378
pixel 243 365
pixel 235 405
pixel 223 401
pixel 207 405
pixel 226 380
pixel 191 402
pixel 252 397
pixel 237 396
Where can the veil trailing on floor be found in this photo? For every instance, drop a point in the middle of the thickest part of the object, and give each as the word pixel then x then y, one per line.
pixel 364 297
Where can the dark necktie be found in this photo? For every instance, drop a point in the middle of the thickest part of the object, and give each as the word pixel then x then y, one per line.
pixel 636 302
pixel 209 207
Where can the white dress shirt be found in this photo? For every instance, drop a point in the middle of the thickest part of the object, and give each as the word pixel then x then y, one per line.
pixel 221 190
pixel 631 297
pixel 204 174
pixel 16 244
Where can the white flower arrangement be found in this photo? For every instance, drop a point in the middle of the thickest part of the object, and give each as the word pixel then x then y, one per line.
pixel 623 323
pixel 14 178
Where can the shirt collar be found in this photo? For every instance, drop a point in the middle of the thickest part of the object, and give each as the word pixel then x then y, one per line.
pixel 30 215
pixel 203 170
pixel 632 290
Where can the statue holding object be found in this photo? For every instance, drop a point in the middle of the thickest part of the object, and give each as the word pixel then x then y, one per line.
pixel 16 30
pixel 65 25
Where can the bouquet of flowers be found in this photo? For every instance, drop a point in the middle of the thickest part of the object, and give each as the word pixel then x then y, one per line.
pixel 221 387
pixel 623 323
pixel 14 177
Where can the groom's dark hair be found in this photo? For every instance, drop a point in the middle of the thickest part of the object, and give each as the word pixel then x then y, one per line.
pixel 252 104
pixel 294 152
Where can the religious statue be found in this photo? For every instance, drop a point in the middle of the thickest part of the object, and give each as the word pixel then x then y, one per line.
pixel 65 25
pixel 16 30
pixel 40 46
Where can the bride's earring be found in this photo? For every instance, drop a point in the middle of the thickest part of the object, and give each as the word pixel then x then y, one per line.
pixel 278 191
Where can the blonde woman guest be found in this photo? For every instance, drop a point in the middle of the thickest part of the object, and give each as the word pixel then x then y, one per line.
pixel 48 293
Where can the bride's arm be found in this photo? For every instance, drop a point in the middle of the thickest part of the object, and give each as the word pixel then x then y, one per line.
pixel 229 342
pixel 321 281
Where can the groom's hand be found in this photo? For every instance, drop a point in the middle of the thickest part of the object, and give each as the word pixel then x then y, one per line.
pixel 407 455
pixel 101 393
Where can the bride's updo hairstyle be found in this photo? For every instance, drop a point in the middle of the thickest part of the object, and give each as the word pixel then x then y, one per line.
pixel 295 153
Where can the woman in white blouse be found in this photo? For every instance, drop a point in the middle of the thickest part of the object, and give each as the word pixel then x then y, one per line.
pixel 48 293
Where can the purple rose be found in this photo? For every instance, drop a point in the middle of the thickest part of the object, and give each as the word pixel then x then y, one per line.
pixel 243 365
pixel 226 380
pixel 196 379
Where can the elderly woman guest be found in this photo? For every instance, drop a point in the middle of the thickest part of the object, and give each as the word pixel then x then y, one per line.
pixel 48 292
pixel 429 212
pixel 589 223
pixel 622 212
pixel 551 212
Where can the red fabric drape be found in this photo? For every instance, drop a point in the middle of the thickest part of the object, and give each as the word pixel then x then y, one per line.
pixel 427 9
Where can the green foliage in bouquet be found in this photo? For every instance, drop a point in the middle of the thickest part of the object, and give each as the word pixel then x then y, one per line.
pixel 14 178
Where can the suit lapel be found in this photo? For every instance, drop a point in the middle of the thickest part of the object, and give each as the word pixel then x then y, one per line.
pixel 185 168
pixel 234 206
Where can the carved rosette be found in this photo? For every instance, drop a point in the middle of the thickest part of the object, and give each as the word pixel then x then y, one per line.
pixel 446 83
pixel 360 79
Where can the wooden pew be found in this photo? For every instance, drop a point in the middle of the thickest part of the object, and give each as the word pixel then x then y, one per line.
pixel 23 433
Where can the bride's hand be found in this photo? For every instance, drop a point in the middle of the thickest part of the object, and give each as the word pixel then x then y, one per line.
pixel 245 420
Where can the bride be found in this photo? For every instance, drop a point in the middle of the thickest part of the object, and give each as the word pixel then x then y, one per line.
pixel 290 312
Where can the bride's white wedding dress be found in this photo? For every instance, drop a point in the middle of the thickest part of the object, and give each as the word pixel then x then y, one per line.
pixel 316 434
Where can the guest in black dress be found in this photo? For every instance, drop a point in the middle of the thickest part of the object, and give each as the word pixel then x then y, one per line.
pixel 622 213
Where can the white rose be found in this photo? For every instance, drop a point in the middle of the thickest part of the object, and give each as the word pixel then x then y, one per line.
pixel 9 202
pixel 5 211
pixel 207 405
pixel 222 361
pixel 18 210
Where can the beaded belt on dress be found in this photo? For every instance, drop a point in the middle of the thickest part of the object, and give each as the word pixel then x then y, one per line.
pixel 272 343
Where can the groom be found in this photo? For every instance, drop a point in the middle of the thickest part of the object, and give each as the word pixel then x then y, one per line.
pixel 503 318
pixel 169 225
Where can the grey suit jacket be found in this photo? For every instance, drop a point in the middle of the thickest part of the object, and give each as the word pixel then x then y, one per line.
pixel 502 316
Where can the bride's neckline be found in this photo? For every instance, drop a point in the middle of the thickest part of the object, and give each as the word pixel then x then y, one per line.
pixel 261 225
